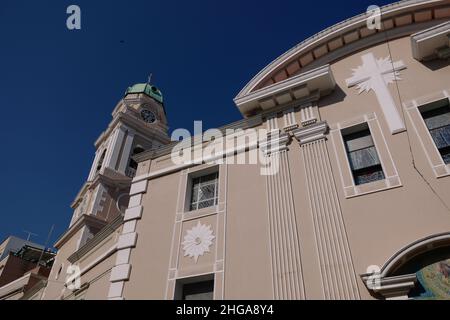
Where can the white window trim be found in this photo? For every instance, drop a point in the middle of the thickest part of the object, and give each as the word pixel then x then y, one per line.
pixel 391 179
pixel 186 213
pixel 414 107
pixel 215 197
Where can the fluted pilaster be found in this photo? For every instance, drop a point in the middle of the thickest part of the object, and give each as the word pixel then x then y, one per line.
pixel 284 238
pixel 336 266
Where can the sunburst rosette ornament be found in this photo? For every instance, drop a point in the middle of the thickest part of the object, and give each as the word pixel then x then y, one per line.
pixel 197 241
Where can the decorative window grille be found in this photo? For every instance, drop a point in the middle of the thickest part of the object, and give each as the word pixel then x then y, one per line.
pixel 204 191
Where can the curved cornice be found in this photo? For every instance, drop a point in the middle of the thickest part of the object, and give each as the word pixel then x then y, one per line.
pixel 397 15
pixel 413 249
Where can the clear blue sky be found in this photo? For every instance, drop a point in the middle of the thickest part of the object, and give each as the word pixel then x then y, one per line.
pixel 58 87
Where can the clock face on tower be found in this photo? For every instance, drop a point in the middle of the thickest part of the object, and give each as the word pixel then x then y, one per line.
pixel 148 116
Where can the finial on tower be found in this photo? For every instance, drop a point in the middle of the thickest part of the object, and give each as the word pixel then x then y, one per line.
pixel 150 78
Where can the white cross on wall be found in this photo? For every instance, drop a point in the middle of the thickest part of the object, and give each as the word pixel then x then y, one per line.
pixel 375 74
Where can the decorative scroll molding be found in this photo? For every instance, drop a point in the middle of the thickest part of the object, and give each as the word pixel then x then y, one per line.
pixel 284 239
pixel 336 266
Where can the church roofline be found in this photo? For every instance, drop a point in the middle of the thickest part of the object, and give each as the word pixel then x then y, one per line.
pixel 243 124
pixel 318 46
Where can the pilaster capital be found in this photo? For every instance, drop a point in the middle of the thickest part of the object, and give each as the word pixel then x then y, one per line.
pixel 311 133
pixel 274 142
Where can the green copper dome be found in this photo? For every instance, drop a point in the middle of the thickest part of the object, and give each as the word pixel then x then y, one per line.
pixel 148 89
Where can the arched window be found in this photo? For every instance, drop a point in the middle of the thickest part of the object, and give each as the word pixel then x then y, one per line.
pixel 420 270
pixel 132 165
pixel 138 149
pixel 100 161
pixel 432 270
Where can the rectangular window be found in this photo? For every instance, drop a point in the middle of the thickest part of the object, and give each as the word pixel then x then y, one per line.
pixel 203 290
pixel 437 121
pixel 362 155
pixel 204 191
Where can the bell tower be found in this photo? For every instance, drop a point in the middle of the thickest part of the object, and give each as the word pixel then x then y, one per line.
pixel 138 124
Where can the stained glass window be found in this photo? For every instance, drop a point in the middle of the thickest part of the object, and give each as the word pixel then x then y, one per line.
pixel 363 157
pixel 438 123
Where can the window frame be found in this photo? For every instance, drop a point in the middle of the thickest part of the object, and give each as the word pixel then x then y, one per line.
pixel 432 154
pixel 391 176
pixel 182 282
pixel 195 205
pixel 446 104
pixel 201 172
pixel 355 130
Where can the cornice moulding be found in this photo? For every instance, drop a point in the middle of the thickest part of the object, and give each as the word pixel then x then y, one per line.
pixel 311 133
pixel 98 238
pixel 424 43
pixel 291 89
pixel 83 220
pixel 127 119
pixel 351 25
pixel 80 194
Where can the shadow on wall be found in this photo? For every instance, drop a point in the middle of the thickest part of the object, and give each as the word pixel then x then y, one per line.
pixel 338 95
pixel 436 64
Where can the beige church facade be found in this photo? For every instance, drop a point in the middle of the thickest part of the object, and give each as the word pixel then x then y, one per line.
pixel 357 123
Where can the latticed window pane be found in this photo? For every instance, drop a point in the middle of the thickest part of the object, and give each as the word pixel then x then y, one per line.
pixel 204 191
pixel 207 192
pixel 363 157
pixel 205 204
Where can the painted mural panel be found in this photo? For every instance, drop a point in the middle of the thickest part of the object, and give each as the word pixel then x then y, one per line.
pixel 435 280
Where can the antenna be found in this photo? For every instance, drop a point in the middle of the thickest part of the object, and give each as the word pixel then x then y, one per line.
pixel 30 234
pixel 46 243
